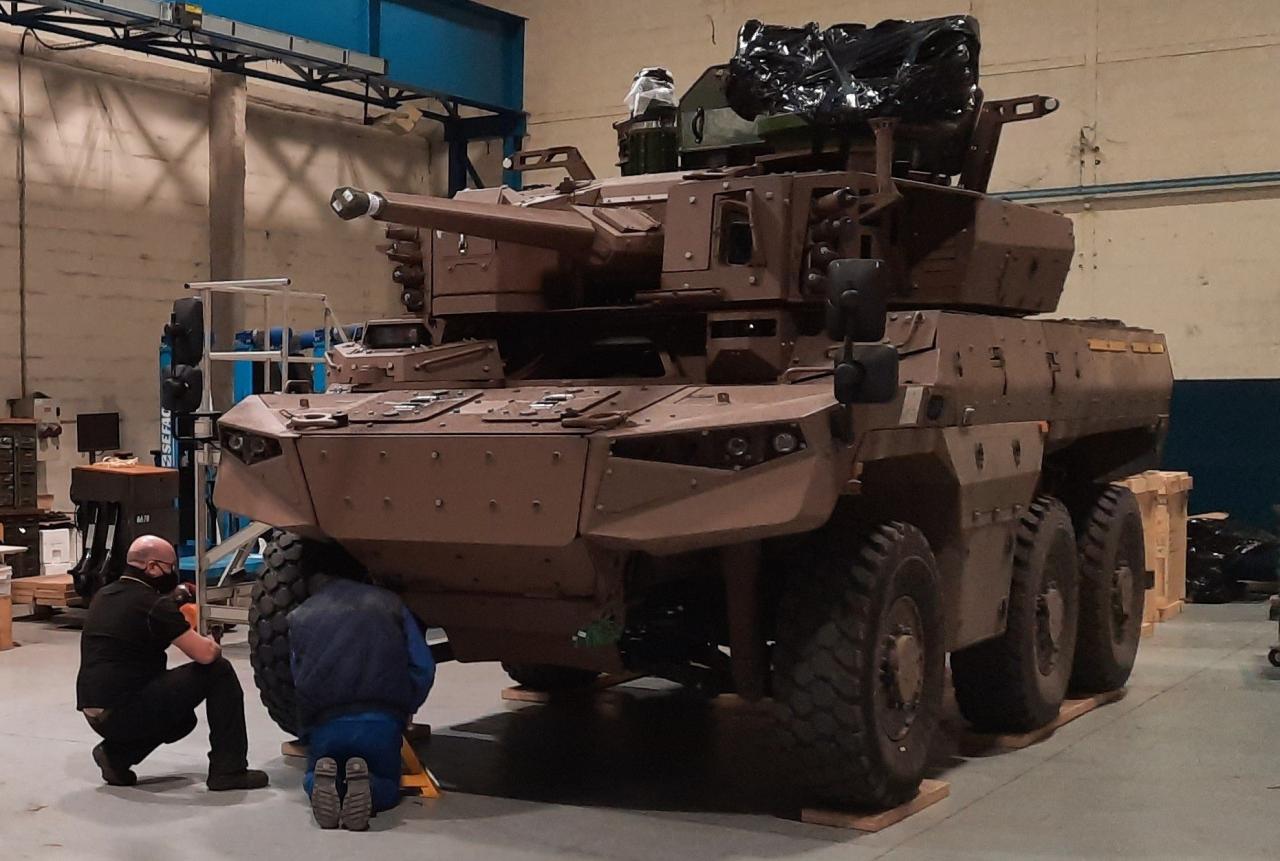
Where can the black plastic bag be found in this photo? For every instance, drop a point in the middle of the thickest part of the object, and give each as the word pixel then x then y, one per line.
pixel 917 71
pixel 1222 555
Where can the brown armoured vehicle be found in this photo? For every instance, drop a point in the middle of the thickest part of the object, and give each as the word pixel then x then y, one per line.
pixel 782 421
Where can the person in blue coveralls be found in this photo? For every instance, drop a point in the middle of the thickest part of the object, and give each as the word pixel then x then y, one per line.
pixel 361 669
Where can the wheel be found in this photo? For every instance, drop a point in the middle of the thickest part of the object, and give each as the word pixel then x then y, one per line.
pixel 1112 560
pixel 858 665
pixel 1017 681
pixel 546 677
pixel 1274 656
pixel 292 564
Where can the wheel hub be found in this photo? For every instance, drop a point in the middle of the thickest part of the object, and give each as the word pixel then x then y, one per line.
pixel 1051 612
pixel 1122 589
pixel 907 662
pixel 902 669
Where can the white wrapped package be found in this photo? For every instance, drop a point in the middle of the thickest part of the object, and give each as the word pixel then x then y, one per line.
pixel 652 86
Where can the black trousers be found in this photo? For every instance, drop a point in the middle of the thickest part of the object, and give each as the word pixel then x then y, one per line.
pixel 165 711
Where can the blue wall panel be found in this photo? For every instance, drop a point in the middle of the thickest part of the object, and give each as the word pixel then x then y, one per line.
pixel 452 47
pixel 1224 432
pixel 448 43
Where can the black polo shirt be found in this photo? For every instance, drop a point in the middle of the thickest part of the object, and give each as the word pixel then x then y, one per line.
pixel 123 645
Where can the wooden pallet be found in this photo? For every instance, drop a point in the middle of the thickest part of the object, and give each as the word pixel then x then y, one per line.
pixel 50 590
pixel 931 792
pixel 1071 709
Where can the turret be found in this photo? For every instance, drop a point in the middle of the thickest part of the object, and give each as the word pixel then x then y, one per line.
pixel 810 147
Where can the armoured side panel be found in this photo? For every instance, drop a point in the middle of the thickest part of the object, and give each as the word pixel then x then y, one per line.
pixel 473 275
pixel 966 488
pixel 970 250
pixel 570 571
pixel 730 240
pixel 448 489
pixel 1105 377
pixel 1080 377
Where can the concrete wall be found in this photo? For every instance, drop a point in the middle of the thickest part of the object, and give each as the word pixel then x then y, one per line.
pixel 116 160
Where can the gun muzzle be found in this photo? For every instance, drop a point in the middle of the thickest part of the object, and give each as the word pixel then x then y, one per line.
pixel 351 203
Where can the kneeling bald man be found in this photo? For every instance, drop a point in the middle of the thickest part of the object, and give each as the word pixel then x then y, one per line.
pixel 129 696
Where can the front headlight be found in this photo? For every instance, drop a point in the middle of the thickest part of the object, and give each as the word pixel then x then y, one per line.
pixel 248 447
pixel 718 448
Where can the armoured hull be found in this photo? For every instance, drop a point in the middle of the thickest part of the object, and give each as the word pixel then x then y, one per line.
pixel 515 513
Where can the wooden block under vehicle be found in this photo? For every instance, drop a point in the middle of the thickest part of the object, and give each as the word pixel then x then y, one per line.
pixel 931 792
pixel 1168 611
pixel 521 694
pixel 1071 709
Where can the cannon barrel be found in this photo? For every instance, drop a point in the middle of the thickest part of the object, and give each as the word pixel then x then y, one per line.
pixel 556 229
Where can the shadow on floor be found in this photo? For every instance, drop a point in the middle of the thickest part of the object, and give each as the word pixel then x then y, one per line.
pixel 626 748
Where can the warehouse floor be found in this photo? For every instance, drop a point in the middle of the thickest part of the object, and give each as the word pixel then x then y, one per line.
pixel 1184 766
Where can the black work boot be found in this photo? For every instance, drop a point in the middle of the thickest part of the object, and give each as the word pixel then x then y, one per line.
pixel 250 778
pixel 113 774
pixel 357 804
pixel 324 793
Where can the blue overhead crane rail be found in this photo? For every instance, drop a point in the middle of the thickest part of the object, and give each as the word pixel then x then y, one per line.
pixel 381 53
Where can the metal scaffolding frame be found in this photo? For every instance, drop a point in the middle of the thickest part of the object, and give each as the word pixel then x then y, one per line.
pixel 228 603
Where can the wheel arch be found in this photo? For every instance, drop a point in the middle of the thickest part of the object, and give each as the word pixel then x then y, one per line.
pixel 964 488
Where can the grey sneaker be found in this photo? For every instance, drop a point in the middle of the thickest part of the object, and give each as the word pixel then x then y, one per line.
pixel 324 793
pixel 357 804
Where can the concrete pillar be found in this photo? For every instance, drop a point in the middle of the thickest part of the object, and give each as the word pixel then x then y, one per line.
pixel 228 100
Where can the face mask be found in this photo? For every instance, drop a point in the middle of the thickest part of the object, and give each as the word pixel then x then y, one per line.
pixel 165 583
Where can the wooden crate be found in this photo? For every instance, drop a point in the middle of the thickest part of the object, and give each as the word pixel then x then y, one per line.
pixel 1145 491
pixel 1171 501
pixel 1162 499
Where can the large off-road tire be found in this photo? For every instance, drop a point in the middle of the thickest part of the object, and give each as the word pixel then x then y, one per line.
pixel 1017 681
pixel 858 664
pixel 1112 579
pixel 292 564
pixel 548 678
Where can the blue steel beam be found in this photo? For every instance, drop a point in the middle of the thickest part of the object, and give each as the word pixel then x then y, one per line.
pixel 457 52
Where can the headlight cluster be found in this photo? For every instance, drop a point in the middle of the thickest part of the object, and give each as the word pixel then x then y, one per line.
pixel 719 448
pixel 249 447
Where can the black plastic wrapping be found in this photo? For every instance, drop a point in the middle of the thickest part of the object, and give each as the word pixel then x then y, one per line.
pixel 917 71
pixel 1223 555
